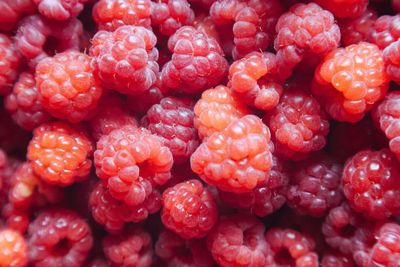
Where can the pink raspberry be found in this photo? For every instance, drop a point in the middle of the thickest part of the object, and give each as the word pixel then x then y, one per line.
pixel 391 56
pixel 9 63
pixel 386 30
pixel 386 251
pixel 11 11
pixel 345 8
pixel 355 30
pixel 60 9
pixel 13 249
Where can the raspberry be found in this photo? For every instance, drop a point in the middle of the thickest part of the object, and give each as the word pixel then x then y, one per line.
pixel 236 159
pixel 350 80
pixel 287 247
pixel 140 104
pixel 216 109
pixel 113 214
pixel 204 23
pixel 391 56
pixel 238 241
pixel 132 162
pixel 298 124
pixel 306 30
pixel 125 60
pixel 130 248
pixel 172 120
pixel 197 62
pixel 315 186
pixel 16 219
pixel 167 16
pixel 333 258
pixel 176 251
pixel 386 251
pixel 189 209
pixel 355 30
pixel 60 9
pixel 345 8
pixel 371 182
pixel 59 237
pixel 267 197
pixel 111 14
pixel 24 104
pixel 252 23
pixel 9 63
pixel 59 153
pixel 67 87
pixel 13 249
pixel 386 30
pixel 12 10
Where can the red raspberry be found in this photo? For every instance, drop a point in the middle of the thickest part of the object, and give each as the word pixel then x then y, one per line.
pixel 59 153
pixel 113 214
pixel 111 14
pixel 371 183
pixel 267 197
pixel 16 219
pixel 67 87
pixel 345 8
pixel 24 104
pixel 332 258
pixel 60 9
pixel 170 15
pixel 12 10
pixel 9 63
pixel 386 251
pixel 216 109
pixel 59 237
pixel 287 247
pixel 386 30
pixel 176 251
pixel 38 37
pixel 125 60
pixel 132 247
pixel 391 56
pixel 197 62
pixel 172 120
pixel 298 124
pixel 350 80
pixel 315 186
pixel 236 159
pixel 355 30
pixel 189 209
pixel 132 162
pixel 306 30
pixel 204 23
pixel 140 104
pixel 13 249
pixel 238 241
pixel 251 21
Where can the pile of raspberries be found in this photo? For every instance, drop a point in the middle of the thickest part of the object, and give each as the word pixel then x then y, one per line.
pixel 200 133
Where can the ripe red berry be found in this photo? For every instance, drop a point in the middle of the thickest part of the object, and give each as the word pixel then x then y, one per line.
pixel 386 30
pixel 13 249
pixel 140 104
pixel 391 56
pixel 386 251
pixel 11 11
pixel 355 30
pixel 9 63
pixel 345 8
pixel 60 9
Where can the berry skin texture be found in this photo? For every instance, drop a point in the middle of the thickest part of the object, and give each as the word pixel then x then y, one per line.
pixel 334 258
pixel 298 124
pixel 13 249
pixel 238 241
pixel 357 29
pixel 12 10
pixel 371 183
pixel 315 186
pixel 189 209
pixel 133 247
pixel 125 60
pixel 24 104
pixel 67 87
pixel 299 247
pixel 59 153
pixel 216 109
pixel 9 63
pixel 60 9
pixel 350 80
pixel 386 252
pixel 236 159
pixel 111 14
pixel 197 62
pixel 132 162
pixel 172 120
pixel 391 56
pixel 59 237
pixel 345 8
pixel 386 30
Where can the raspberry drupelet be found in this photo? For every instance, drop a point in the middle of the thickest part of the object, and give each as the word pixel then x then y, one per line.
pixel 132 247
pixel 197 62
pixel 236 159
pixel 386 251
pixel 111 14
pixel 125 60
pixel 386 30
pixel 9 63
pixel 391 56
pixel 11 12
pixel 13 249
pixel 298 124
pixel 60 9
pixel 114 214
pixel 24 104
pixel 132 162
pixel 59 237
pixel 332 258
pixel 238 241
pixel 60 153
pixel 189 209
pixel 349 81
pixel 345 8
pixel 358 29
pixel 315 185
pixel 67 87
pixel 288 247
